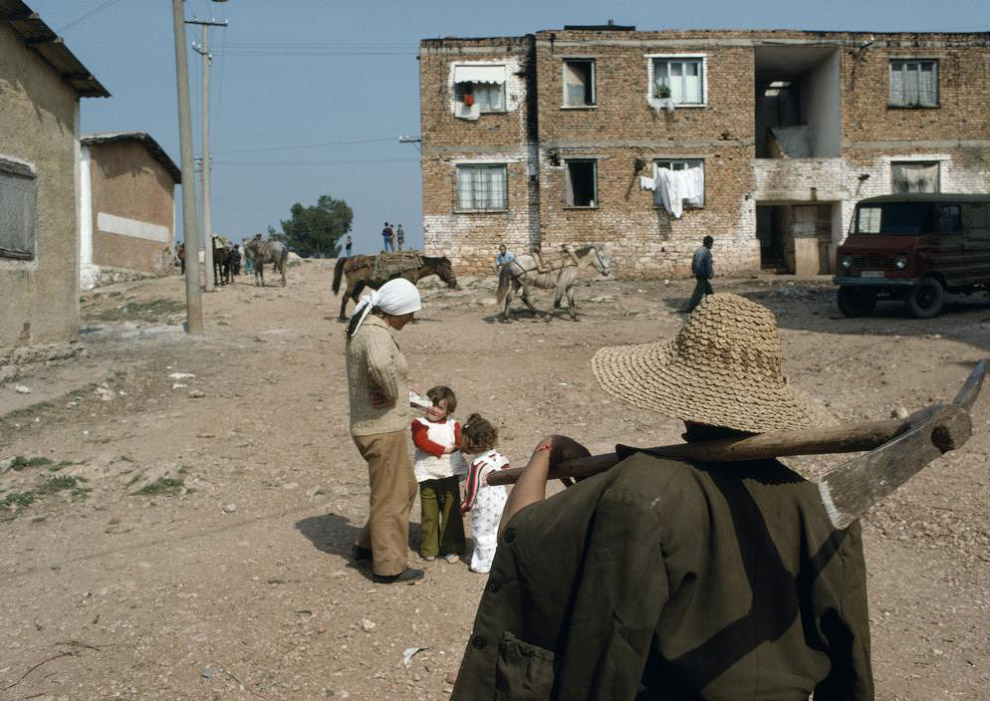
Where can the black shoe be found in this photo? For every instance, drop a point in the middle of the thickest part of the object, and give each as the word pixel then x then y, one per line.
pixel 408 575
pixel 358 553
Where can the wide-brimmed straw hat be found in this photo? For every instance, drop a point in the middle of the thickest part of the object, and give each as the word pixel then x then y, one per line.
pixel 723 369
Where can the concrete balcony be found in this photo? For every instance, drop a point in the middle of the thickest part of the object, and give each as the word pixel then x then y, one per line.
pixel 782 180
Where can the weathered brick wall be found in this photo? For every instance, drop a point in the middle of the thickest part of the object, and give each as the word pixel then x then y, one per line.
pixel 623 127
pixel 470 239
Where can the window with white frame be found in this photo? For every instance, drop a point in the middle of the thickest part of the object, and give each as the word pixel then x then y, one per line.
pixel 18 211
pixel 914 83
pixel 582 183
pixel 579 82
pixel 682 79
pixel 482 187
pixel 480 88
pixel 914 176
pixel 696 182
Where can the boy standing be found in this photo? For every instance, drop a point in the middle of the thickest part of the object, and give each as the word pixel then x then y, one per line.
pixel 439 466
pixel 387 238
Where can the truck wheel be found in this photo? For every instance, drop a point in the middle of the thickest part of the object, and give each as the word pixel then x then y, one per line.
pixel 926 299
pixel 856 301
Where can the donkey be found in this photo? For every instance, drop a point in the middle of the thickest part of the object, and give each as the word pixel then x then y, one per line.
pixel 361 272
pixel 522 272
pixel 261 252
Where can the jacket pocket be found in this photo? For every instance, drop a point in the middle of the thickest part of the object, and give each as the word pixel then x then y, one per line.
pixel 523 671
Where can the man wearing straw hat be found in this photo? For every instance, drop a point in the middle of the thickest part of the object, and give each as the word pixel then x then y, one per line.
pixel 662 578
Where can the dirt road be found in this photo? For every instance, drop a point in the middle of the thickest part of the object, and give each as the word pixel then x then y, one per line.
pixel 178 523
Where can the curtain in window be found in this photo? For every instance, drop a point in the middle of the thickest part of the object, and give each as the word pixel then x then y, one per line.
pixel 684 78
pixel 577 79
pixel 489 96
pixel 913 83
pixel 914 177
pixel 481 187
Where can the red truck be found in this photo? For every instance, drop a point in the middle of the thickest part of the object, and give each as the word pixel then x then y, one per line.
pixel 915 248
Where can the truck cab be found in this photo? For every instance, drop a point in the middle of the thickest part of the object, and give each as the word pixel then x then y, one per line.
pixel 914 248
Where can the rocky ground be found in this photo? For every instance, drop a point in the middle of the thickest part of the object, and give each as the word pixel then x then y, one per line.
pixel 176 512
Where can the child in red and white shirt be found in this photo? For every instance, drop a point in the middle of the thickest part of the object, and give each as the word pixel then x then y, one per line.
pixel 484 501
pixel 439 467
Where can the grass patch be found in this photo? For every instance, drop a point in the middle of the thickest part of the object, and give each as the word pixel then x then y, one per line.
pixel 162 485
pixel 22 463
pixel 154 310
pixel 15 499
pixel 61 483
pixel 60 466
pixel 28 412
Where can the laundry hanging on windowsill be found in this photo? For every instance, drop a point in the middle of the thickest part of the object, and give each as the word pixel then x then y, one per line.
pixel 470 112
pixel 675 186
pixel 646 183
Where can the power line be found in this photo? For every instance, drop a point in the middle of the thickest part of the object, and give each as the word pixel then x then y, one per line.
pixel 303 147
pixel 316 163
pixel 96 10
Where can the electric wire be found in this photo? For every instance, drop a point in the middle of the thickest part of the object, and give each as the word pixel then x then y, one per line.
pixel 92 13
pixel 304 147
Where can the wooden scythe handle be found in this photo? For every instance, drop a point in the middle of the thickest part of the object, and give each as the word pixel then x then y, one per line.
pixel 845 438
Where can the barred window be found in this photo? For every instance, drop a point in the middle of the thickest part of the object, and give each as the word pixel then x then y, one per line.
pixel 482 187
pixel 18 211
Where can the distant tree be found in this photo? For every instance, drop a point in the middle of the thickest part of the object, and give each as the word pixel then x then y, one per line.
pixel 316 230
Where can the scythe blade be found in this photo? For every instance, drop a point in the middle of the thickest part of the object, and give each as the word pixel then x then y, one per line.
pixel 853 487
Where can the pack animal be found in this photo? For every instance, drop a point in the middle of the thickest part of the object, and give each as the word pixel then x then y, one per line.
pixel 522 272
pixel 222 254
pixel 261 252
pixel 375 271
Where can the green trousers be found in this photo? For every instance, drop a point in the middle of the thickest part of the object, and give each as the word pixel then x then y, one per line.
pixel 441 526
pixel 701 289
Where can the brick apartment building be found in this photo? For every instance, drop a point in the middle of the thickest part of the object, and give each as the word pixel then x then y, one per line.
pixel 546 138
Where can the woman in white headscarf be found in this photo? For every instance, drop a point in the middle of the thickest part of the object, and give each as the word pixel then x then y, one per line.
pixel 379 399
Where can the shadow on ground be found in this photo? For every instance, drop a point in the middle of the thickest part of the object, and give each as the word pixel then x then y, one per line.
pixel 334 534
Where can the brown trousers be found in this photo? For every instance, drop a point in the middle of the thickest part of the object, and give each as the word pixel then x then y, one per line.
pixel 393 491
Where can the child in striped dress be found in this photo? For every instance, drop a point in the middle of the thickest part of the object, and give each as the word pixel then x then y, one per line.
pixel 485 502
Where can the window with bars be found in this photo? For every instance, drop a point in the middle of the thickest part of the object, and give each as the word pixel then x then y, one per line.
pixel 18 211
pixel 913 83
pixel 682 164
pixel 482 188
pixel 680 79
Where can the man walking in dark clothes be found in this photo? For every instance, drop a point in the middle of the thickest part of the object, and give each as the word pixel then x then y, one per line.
pixel 703 271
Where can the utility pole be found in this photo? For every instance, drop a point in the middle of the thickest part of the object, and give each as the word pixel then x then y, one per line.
pixel 205 219
pixel 194 300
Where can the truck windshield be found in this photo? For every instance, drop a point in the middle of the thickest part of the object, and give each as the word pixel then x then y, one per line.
pixel 908 218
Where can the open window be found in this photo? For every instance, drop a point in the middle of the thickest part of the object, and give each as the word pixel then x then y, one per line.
pixel 18 210
pixel 914 176
pixel 582 183
pixel 579 82
pixel 914 83
pixel 681 79
pixel 693 184
pixel 482 187
pixel 478 90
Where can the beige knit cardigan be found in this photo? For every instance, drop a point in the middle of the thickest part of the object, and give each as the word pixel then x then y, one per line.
pixel 374 361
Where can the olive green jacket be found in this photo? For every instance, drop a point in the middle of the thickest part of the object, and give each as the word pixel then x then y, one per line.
pixel 660 579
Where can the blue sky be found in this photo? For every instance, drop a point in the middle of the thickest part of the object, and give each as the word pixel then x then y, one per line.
pixel 309 97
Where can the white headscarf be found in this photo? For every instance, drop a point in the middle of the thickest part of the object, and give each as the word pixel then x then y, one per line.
pixel 395 297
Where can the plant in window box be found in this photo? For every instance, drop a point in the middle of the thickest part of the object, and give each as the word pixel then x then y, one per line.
pixel 665 102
